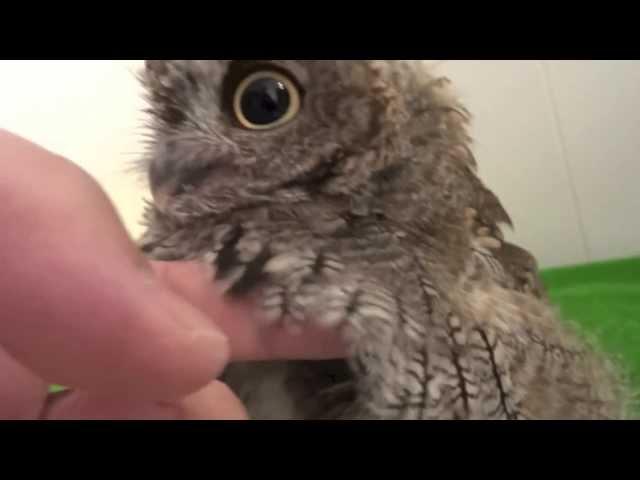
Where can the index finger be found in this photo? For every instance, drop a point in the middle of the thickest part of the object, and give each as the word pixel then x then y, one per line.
pixel 249 339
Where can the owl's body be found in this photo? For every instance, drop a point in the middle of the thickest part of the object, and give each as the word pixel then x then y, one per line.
pixel 360 211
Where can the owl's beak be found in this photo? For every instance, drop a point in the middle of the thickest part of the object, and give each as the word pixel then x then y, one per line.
pixel 161 182
pixel 161 196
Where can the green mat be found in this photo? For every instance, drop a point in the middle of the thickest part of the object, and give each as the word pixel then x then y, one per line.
pixel 604 299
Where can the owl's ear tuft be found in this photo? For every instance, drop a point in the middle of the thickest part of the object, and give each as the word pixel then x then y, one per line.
pixel 160 74
pixel 152 66
pixel 163 80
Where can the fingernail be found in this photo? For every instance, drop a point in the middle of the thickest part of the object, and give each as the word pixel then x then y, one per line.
pixel 200 349
pixel 186 316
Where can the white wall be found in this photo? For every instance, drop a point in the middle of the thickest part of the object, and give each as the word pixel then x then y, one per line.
pixel 559 142
pixel 88 111
pixel 556 140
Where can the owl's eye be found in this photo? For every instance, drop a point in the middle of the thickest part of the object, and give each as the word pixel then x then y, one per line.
pixel 265 100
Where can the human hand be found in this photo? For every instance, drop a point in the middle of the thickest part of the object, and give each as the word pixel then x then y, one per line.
pixel 80 306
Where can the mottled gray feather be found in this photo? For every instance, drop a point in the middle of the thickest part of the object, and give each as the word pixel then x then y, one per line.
pixel 365 214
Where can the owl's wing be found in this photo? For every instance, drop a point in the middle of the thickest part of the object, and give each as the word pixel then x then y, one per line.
pixel 523 268
pixel 516 265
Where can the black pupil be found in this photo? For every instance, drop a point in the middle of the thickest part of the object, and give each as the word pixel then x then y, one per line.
pixel 265 101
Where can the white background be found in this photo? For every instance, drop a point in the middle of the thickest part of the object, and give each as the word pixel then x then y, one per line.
pixel 556 140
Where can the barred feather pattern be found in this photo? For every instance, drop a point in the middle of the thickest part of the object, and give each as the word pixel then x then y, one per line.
pixel 378 227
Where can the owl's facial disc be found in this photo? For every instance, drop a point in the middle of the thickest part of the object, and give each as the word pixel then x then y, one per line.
pixel 230 133
pixel 255 100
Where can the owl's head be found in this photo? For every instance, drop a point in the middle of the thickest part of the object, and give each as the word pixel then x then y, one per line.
pixel 232 134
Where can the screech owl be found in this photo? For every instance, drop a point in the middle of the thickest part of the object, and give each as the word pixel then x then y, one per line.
pixel 345 193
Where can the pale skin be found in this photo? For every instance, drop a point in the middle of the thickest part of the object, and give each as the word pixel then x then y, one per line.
pixel 80 306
